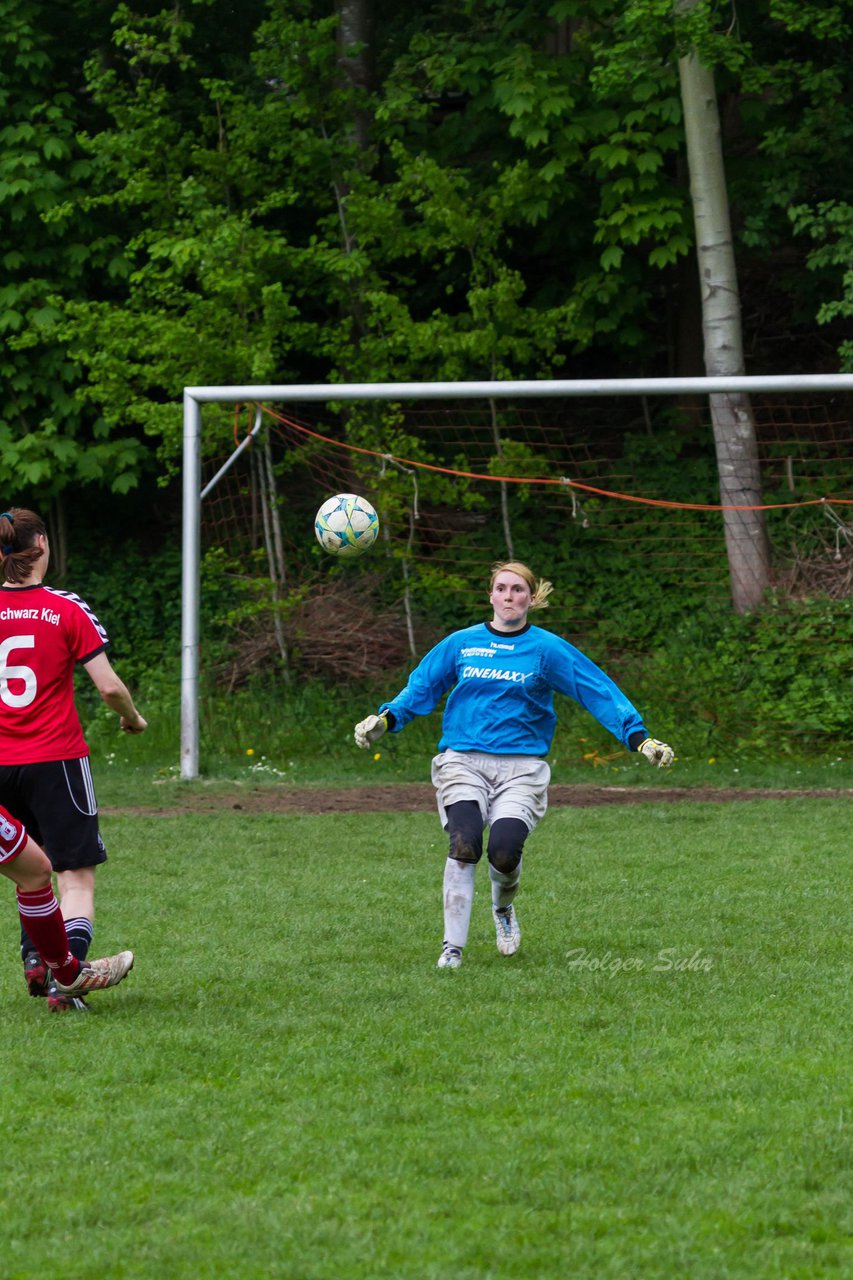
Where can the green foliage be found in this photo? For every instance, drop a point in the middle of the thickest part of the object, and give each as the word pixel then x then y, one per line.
pixel 831 226
pixel 775 682
pixel 137 597
pixel 236 595
pixel 205 208
pixel 794 115
pixel 412 242
pixel 47 441
pixel 203 286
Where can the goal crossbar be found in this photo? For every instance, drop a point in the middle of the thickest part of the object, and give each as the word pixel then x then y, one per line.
pixel 195 397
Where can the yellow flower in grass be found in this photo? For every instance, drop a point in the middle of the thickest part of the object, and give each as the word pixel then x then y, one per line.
pixel 250 751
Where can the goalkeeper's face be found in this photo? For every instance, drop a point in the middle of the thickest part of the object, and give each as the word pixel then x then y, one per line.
pixel 510 600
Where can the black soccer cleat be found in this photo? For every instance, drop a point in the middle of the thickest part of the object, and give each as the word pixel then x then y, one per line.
pixel 36 975
pixel 60 1002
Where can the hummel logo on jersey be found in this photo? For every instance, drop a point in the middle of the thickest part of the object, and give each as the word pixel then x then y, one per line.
pixel 495 673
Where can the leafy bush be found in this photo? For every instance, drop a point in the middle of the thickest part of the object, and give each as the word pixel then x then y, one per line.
pixel 777 681
pixel 137 597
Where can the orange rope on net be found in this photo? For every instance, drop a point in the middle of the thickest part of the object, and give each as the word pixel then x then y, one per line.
pixel 546 480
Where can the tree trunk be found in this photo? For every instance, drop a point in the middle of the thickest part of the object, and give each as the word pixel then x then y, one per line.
pixel 731 414
pixel 58 534
pixel 356 62
pixel 355 56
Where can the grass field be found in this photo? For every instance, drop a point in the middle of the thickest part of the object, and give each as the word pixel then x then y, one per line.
pixel 286 1086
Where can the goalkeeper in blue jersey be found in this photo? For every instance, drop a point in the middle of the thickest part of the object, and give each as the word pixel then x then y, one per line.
pixel 498 725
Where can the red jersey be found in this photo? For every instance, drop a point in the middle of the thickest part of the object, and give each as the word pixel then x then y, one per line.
pixel 43 634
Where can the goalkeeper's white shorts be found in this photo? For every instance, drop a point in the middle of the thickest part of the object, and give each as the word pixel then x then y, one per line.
pixel 503 786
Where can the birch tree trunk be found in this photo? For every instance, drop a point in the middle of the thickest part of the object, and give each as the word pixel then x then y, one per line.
pixel 731 414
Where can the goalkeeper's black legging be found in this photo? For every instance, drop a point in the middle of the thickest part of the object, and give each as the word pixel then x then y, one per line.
pixel 465 827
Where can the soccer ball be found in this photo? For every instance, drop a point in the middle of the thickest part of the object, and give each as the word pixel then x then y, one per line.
pixel 346 525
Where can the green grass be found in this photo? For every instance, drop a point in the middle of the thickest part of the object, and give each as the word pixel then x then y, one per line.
pixel 286 1086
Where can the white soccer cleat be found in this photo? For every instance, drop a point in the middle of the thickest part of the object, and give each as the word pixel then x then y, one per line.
pixel 450 958
pixel 94 975
pixel 507 930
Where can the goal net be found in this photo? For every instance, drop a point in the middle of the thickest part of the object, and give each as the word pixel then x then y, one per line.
pixel 613 497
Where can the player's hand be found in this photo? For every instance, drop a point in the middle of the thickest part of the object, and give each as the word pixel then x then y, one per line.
pixel 369 731
pixel 659 753
pixel 132 726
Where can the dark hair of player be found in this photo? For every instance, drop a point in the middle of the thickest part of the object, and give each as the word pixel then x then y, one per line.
pixel 19 529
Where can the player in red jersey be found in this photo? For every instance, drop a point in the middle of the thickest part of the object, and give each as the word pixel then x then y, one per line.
pixel 44 759
pixel 23 861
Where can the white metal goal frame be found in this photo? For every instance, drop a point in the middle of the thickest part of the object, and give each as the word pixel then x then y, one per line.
pixel 195 397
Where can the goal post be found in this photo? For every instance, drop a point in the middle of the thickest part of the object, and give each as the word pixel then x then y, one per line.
pixel 197 396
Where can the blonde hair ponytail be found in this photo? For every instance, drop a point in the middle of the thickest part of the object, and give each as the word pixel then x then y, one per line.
pixel 540 588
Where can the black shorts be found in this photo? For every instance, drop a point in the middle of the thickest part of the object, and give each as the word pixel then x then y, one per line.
pixel 56 802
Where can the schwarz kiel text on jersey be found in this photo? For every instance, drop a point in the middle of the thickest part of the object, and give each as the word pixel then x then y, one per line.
pixel 42 615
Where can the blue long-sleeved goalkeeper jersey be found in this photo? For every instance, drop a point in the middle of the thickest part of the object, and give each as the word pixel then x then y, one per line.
pixel 502 691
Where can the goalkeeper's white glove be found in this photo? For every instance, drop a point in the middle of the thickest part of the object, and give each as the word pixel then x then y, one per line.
pixel 659 753
pixel 369 731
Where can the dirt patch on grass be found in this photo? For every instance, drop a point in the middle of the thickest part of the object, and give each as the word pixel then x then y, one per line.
pixel 420 797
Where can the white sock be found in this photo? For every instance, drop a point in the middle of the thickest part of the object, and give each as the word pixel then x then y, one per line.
pixel 458 900
pixel 504 886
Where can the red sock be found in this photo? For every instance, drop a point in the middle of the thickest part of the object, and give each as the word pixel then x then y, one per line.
pixel 42 920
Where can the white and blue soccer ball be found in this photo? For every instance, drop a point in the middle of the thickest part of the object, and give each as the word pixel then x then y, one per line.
pixel 346 525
